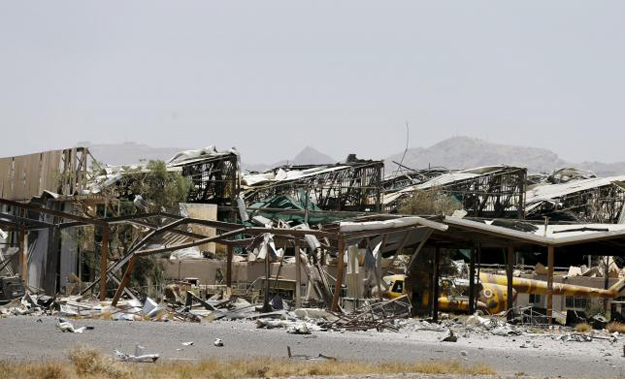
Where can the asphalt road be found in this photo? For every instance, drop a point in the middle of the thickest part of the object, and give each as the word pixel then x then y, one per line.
pixel 23 338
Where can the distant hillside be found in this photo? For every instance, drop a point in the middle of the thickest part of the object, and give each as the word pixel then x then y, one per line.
pixel 466 152
pixel 129 153
pixel 307 156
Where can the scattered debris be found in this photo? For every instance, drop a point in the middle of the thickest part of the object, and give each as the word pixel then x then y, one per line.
pixel 66 326
pixel 450 337
pixel 319 357
pixel 138 356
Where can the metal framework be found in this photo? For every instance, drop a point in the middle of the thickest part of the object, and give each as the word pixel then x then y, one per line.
pixel 604 204
pixel 409 178
pixel 353 186
pixel 497 193
pixel 213 180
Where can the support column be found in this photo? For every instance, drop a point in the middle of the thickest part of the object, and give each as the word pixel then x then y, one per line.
pixel 298 276
pixel 510 279
pixel 472 282
pixel 125 280
pixel 437 259
pixel 104 254
pixel 266 306
pixel 229 249
pixel 23 255
pixel 339 275
pixel 550 263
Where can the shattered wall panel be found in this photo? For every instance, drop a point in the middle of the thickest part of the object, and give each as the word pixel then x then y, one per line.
pixel 60 171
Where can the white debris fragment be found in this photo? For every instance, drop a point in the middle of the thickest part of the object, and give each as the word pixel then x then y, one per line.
pixel 138 356
pixel 187 343
pixel 300 328
pixel 218 342
pixel 66 326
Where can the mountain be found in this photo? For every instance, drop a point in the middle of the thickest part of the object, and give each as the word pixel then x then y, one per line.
pixel 466 152
pixel 128 153
pixel 309 155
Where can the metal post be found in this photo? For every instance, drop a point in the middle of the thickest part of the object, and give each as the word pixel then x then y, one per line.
pixel 339 275
pixel 125 280
pixel 23 255
pixel 229 270
pixel 298 276
pixel 550 263
pixel 437 258
pixel 104 253
pixel 266 306
pixel 472 282
pixel 606 281
pixel 509 271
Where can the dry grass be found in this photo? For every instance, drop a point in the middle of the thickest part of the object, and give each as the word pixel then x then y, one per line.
pixel 88 363
pixel 583 328
pixel 616 327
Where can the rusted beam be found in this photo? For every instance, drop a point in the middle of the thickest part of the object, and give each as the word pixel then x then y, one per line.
pixel 104 253
pixel 472 281
pixel 509 272
pixel 201 241
pixel 38 209
pixel 339 275
pixel 23 255
pixel 437 259
pixel 550 263
pixel 298 276
pixel 125 280
pixel 229 270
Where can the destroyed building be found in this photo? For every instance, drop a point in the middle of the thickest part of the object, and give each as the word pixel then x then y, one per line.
pixel 599 200
pixel 354 185
pixel 314 235
pixel 496 191
pixel 214 176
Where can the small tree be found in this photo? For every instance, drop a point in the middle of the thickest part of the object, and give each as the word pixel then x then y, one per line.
pixel 160 190
pixel 432 201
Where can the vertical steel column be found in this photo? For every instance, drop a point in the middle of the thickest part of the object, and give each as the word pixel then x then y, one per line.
pixel 437 258
pixel 229 270
pixel 104 253
pixel 550 263
pixel 509 271
pixel 472 282
pixel 298 276
pixel 339 274
pixel 23 255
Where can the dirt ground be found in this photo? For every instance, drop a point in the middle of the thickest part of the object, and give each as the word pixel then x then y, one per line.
pixel 37 338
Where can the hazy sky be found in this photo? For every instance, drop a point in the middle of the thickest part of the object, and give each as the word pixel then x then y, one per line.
pixel 271 77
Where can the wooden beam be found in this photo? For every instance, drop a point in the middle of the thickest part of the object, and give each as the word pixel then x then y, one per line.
pixel 298 276
pixel 104 253
pixel 509 272
pixel 339 275
pixel 550 263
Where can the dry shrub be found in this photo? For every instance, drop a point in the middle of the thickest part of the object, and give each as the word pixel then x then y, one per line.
pixel 261 368
pixel 89 361
pixel 583 328
pixel 616 327
pixel 43 370
pixel 90 364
